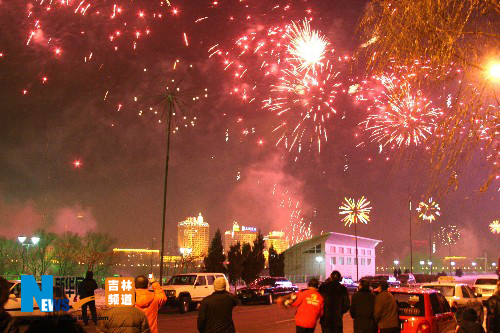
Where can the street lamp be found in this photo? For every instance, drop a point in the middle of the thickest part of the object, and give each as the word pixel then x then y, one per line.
pixel 319 260
pixel 430 265
pixel 396 262
pixel 22 240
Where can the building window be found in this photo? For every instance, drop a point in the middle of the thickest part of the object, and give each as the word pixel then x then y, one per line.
pixel 362 261
pixel 333 261
pixel 341 249
pixel 348 250
pixel 333 249
pixel 316 249
pixel 348 261
pixel 341 260
pixel 369 252
pixel 362 252
pixel 368 261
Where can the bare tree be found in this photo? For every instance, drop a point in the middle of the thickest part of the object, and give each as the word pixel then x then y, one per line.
pixel 67 248
pixel 40 256
pixel 97 252
pixel 446 33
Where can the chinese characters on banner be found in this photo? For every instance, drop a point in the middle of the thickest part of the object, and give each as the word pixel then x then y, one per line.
pixel 120 291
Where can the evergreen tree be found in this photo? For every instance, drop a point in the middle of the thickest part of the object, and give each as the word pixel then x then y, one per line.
pixel 248 271
pixel 280 269
pixel 214 261
pixel 273 261
pixel 235 265
pixel 258 254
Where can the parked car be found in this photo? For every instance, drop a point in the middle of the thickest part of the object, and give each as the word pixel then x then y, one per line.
pixel 458 294
pixel 349 284
pixel 376 279
pixel 485 286
pixel 407 280
pixel 13 305
pixel 423 311
pixel 187 290
pixel 265 289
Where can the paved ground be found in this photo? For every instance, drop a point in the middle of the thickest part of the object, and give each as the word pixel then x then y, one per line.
pixel 249 318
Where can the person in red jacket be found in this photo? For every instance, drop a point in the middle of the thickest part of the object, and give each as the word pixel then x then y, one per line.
pixel 309 305
pixel 149 302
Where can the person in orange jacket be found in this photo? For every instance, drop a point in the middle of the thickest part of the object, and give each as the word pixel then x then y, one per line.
pixel 309 305
pixel 149 302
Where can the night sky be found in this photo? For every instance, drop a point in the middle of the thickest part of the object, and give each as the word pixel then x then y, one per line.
pixel 85 111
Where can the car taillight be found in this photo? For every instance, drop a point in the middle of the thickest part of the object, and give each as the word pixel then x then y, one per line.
pixel 424 327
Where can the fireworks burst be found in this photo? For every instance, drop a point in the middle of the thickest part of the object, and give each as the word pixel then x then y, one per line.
pixel 403 115
pixel 449 235
pixel 355 211
pixel 495 227
pixel 304 104
pixel 307 47
pixel 429 211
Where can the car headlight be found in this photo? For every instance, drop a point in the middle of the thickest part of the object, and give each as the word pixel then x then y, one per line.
pixel 262 291
pixel 171 293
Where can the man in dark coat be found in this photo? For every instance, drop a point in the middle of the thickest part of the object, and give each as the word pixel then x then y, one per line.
pixel 362 305
pixel 386 310
pixel 493 318
pixel 216 310
pixel 86 289
pixel 336 303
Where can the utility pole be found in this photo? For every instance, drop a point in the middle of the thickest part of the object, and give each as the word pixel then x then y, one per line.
pixel 411 241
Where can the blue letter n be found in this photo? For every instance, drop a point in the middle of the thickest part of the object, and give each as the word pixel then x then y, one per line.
pixel 30 290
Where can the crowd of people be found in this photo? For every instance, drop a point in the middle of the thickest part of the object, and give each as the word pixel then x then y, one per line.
pixel 325 303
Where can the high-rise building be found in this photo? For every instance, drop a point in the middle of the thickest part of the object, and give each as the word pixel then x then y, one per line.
pixel 239 234
pixel 193 236
pixel 277 240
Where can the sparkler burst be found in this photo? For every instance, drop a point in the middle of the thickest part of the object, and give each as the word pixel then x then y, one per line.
pixel 495 227
pixel 355 211
pixel 304 104
pixel 449 235
pixel 403 115
pixel 307 47
pixel 428 211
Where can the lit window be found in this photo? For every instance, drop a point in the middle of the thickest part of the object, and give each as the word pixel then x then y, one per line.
pixel 333 261
pixel 341 260
pixel 362 261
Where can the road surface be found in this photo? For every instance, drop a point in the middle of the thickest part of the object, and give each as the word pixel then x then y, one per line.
pixel 247 319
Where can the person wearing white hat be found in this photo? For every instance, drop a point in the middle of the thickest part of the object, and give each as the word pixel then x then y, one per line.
pixel 216 310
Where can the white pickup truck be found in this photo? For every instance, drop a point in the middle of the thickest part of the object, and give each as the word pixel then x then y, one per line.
pixel 187 290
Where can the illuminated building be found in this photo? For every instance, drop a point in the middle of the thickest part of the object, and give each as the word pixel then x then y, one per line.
pixel 242 235
pixel 331 251
pixel 277 240
pixel 194 234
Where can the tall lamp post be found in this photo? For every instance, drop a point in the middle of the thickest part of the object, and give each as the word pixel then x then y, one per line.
pixel 355 212
pixel 26 245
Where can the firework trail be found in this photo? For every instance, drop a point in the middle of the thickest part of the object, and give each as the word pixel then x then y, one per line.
pixel 304 105
pixel 355 211
pixel 428 211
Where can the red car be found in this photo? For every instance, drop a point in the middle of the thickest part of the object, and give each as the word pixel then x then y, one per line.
pixel 424 311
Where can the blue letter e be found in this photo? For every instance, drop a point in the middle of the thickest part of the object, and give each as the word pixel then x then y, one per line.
pixel 30 290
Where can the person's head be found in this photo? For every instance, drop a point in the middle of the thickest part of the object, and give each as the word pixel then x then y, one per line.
pixel 220 284
pixel 336 276
pixel 4 291
pixel 313 283
pixel 89 275
pixel 469 314
pixel 383 285
pixel 141 282
pixel 364 285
